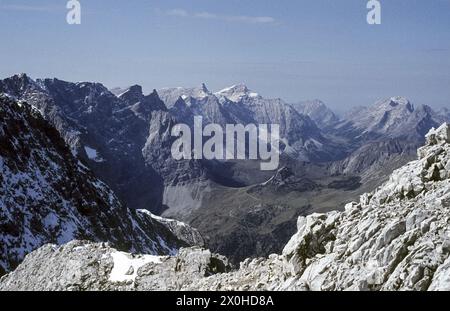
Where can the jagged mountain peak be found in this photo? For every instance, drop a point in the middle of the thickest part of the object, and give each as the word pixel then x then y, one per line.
pixel 240 87
pixel 310 106
pixel 135 89
pixel 21 76
pixel 133 94
pixel 18 84
pixel 198 92
pixel 238 104
pixel 180 104
pixel 396 102
pixel 154 93
pixel 171 95
pixel 392 117
pixel 237 92
pixel 204 88
pixel 155 101
pixel 142 105
pixel 318 111
pixel 56 87
pixel 92 86
pixel 118 90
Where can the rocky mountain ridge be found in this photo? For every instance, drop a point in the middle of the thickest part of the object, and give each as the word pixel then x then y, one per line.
pixel 392 118
pixel 48 196
pixel 318 112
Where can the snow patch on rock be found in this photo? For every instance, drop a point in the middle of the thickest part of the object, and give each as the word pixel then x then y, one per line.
pixel 126 266
pixel 93 154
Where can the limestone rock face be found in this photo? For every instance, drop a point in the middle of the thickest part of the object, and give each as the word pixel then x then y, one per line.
pixel 82 265
pixel 396 238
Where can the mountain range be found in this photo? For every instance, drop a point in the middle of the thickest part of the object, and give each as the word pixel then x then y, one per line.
pixel 122 137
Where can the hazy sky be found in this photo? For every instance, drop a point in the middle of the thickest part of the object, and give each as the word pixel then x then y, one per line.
pixel 290 49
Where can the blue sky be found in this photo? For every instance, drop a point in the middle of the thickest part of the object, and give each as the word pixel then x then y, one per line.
pixel 290 49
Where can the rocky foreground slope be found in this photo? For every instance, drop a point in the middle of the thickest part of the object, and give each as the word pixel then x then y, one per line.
pixel 395 238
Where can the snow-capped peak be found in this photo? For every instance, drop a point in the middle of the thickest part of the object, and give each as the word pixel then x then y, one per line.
pixel 237 92
pixel 235 88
